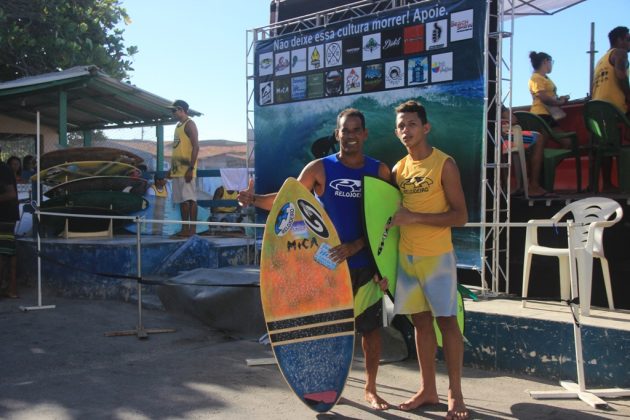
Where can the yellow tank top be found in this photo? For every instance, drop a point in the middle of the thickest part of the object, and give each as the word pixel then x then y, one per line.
pixel 420 183
pixel 158 193
pixel 606 85
pixel 182 152
pixel 537 84
pixel 227 195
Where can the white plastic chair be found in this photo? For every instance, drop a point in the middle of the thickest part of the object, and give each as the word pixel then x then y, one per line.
pixel 587 244
pixel 521 164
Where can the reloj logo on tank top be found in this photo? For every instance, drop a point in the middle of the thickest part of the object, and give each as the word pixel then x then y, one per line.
pixel 416 184
pixel 350 188
pixel 285 219
pixel 313 219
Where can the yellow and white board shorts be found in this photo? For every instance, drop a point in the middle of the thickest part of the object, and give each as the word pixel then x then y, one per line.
pixel 426 284
pixel 183 191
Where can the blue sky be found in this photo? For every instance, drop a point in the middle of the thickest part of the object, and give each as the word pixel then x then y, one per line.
pixel 196 51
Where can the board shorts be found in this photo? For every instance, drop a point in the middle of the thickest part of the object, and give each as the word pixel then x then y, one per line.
pixel 426 284
pixel 370 318
pixel 183 191
pixel 7 238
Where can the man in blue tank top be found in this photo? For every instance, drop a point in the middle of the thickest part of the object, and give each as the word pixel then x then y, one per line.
pixel 336 181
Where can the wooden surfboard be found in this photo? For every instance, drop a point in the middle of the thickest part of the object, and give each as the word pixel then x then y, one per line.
pixel 137 186
pixel 307 304
pixel 78 154
pixel 77 170
pixel 381 200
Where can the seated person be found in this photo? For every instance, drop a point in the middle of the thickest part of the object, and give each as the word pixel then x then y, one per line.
pixel 534 147
pixel 225 214
pixel 28 167
pixel 159 191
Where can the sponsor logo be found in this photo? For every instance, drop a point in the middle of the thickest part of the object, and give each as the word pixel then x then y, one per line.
pixel 298 88
pixel 284 219
pixel 282 90
pixel 302 244
pixel 265 64
pixel 352 80
pixel 372 47
pixel 333 54
pixel 442 67
pixel 352 51
pixel 298 60
pixel 350 188
pixel 315 88
pixel 413 39
pixel 315 57
pixel 416 184
pixel 334 83
pixel 282 64
pixel 266 93
pixel 436 34
pixel 392 43
pixel 394 74
pixel 313 219
pixel 418 70
pixel 462 25
pixel 373 78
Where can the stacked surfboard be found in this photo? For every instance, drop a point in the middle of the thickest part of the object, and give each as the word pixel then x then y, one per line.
pixel 89 181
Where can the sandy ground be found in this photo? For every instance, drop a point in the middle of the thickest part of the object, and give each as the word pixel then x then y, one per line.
pixel 59 364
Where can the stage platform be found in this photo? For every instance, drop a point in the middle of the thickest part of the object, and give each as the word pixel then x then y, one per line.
pixel 538 340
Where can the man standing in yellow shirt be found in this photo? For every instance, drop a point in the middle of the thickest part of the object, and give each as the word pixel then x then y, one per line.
pixel 610 80
pixel 432 202
pixel 183 170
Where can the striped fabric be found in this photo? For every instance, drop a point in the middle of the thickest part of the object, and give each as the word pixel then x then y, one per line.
pixel 7 238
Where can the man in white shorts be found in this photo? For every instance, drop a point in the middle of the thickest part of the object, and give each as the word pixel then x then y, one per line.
pixel 183 171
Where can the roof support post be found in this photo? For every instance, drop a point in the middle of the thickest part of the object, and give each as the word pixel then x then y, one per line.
pixel 159 133
pixel 87 138
pixel 63 118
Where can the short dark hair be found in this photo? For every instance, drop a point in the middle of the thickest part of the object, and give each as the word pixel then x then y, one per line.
pixel 537 58
pixel 615 34
pixel 351 112
pixel 413 106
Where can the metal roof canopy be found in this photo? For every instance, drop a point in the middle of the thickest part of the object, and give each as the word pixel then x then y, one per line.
pixel 91 99
pixel 537 7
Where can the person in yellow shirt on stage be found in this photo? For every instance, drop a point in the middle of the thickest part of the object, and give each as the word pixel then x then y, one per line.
pixel 610 84
pixel 544 95
pixel 183 171
pixel 610 80
pixel 432 202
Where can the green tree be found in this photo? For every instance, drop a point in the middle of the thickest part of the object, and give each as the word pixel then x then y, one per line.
pixel 41 36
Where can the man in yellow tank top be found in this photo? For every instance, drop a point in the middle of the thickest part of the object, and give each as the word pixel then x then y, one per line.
pixel 610 80
pixel 432 202
pixel 610 83
pixel 183 167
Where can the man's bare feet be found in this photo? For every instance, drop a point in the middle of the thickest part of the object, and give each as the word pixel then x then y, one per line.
pixel 456 409
pixel 376 402
pixel 421 398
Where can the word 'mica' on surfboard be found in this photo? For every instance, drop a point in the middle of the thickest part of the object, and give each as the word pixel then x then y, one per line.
pixel 306 298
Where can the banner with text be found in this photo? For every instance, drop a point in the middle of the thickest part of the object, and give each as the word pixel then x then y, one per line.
pixel 432 53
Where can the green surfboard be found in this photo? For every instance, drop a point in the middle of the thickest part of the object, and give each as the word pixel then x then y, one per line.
pixel 381 200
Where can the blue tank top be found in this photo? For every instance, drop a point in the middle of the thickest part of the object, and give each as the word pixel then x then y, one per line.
pixel 343 203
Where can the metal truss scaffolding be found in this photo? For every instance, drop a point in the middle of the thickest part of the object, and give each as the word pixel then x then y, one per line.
pixel 495 196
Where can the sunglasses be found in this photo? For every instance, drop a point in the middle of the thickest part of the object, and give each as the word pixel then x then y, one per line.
pixel 177 109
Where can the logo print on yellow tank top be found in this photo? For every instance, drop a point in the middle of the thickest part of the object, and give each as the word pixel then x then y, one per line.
pixel 416 184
